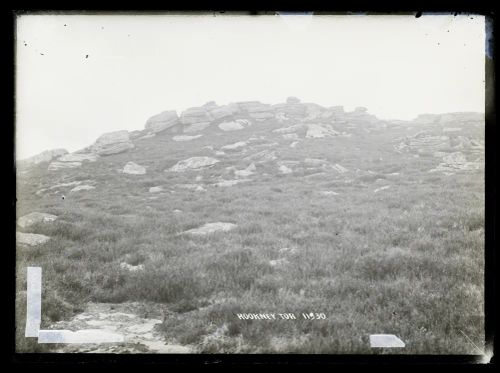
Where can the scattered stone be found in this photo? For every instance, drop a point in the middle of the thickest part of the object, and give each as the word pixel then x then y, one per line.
pixel 134 169
pixel 162 121
pixel 31 239
pixel 263 156
pixel 195 187
pixel 194 163
pixel 288 130
pixel 339 168
pixel 82 187
pixel 381 188
pixel 132 268
pixel 219 152
pixel 247 171
pixel 456 162
pixel 236 145
pixel 329 193
pixel 294 144
pixel 185 137
pixel 278 262
pixel 35 218
pixel 155 189
pixel 228 183
pixel 315 162
pixel 113 143
pixel 211 228
pixel 177 211
pixel 290 136
pixel 285 170
pixel 451 129
pixel 424 142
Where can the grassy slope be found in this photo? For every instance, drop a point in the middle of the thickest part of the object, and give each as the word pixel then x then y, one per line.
pixel 407 260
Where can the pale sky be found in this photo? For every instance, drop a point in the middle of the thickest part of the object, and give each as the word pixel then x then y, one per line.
pixel 138 66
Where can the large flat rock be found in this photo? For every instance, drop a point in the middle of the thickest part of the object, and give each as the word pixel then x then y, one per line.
pixel 31 239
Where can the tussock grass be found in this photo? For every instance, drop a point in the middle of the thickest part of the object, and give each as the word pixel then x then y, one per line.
pixel 408 260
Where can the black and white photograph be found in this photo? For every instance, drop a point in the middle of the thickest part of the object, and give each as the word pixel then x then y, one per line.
pixel 230 183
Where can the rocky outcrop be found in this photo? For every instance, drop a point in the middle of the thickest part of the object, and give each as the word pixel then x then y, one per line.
pixel 35 218
pixel 78 157
pixel 134 169
pixel 360 114
pixel 292 109
pixel 320 130
pixel 236 125
pixel 72 160
pixel 313 111
pixel 195 119
pixel 292 100
pixel 112 143
pixel 162 121
pixel 45 156
pixel 54 166
pixel 185 137
pixel 223 111
pixel 256 110
pixel 334 112
pixel 194 163
pixel 195 115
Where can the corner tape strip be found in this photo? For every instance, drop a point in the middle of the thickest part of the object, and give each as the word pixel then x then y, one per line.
pixel 385 340
pixel 33 301
pixel 81 336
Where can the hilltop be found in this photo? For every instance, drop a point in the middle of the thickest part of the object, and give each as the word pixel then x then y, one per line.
pixel 250 207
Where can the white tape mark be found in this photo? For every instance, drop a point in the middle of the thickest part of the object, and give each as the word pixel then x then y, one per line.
pixel 385 340
pixel 33 301
pixel 80 336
